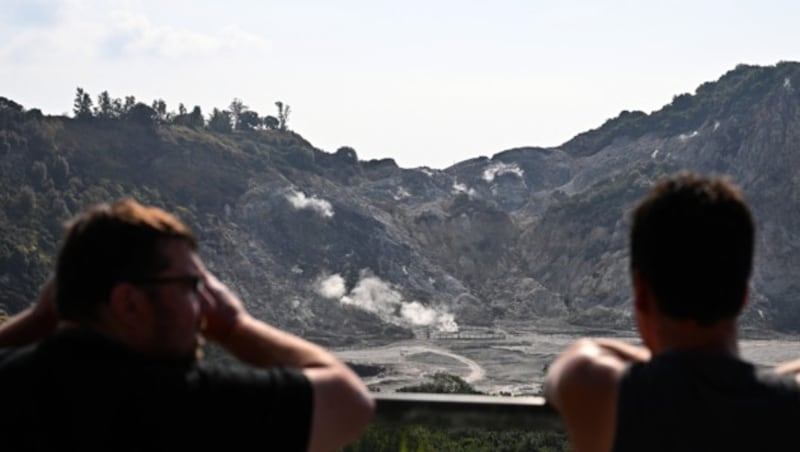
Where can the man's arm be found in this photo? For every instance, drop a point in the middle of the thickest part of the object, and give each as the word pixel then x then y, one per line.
pixel 32 323
pixel 583 385
pixel 342 404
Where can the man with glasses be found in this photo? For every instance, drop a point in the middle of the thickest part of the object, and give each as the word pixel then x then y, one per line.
pixel 687 389
pixel 107 359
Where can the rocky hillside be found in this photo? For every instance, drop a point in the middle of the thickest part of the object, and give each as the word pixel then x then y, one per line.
pixel 343 250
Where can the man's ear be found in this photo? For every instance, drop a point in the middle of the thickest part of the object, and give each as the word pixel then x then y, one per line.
pixel 129 305
pixel 745 298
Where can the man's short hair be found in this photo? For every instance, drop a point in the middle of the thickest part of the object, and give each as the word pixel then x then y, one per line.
pixel 109 244
pixel 692 242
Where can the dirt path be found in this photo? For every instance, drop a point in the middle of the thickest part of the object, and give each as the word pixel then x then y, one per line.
pixel 476 372
pixel 402 365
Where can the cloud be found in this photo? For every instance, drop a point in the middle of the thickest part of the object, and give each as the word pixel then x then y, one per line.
pixel 30 13
pixel 379 297
pixel 500 168
pixel 299 201
pixel 72 29
pixel 134 34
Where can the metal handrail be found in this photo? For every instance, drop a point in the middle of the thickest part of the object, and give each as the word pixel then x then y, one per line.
pixel 457 410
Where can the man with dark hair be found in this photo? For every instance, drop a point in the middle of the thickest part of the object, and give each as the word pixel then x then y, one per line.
pixel 686 389
pixel 107 359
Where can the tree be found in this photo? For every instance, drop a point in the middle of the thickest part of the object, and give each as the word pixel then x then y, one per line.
pixel 116 105
pixel 105 107
pixel 39 174
pixel 196 118
pixel 283 115
pixel 130 101
pixel 160 107
pixel 248 120
pixel 60 170
pixel 236 109
pixel 82 106
pixel 141 114
pixel 347 153
pixel 270 122
pixel 181 109
pixel 10 113
pixel 220 121
pixel 25 202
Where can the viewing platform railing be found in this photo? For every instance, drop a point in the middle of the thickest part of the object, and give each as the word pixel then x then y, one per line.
pixel 455 410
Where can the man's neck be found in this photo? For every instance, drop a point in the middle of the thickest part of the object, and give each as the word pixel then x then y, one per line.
pixel 688 335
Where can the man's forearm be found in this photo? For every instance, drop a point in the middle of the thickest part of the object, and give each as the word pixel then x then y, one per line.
pixel 258 344
pixel 34 323
pixel 25 327
pixel 337 389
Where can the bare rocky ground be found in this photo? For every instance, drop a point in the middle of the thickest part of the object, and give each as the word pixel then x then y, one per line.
pixel 514 365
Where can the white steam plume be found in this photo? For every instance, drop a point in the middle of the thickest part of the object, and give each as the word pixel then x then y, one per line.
pixel 299 200
pixel 500 168
pixel 332 287
pixel 418 314
pixel 462 188
pixel 377 296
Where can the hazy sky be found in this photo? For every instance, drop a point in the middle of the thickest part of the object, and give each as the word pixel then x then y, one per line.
pixel 424 82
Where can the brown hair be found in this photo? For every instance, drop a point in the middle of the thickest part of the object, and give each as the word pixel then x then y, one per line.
pixel 108 244
pixel 692 242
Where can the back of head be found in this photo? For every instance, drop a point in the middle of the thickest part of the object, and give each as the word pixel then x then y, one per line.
pixel 692 242
pixel 109 244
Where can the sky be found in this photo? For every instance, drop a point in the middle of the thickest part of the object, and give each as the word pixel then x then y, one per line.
pixel 427 83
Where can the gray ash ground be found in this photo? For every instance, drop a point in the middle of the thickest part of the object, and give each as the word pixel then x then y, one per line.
pixel 515 364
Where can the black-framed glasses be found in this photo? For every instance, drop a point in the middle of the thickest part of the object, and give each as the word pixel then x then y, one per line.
pixel 194 281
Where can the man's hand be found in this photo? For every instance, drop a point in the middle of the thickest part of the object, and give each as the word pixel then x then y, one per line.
pixel 222 310
pixel 336 389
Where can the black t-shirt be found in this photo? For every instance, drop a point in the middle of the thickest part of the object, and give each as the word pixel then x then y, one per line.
pixel 705 402
pixel 81 391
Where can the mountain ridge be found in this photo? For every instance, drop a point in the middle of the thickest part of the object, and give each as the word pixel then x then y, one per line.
pixel 344 250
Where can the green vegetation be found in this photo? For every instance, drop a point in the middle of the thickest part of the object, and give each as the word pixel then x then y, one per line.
pixel 442 383
pixel 421 438
pixel 52 167
pixel 238 116
pixel 418 438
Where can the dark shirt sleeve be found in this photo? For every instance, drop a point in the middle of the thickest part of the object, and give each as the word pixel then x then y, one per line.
pixel 264 409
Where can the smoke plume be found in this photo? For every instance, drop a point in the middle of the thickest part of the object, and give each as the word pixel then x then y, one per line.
pixel 377 296
pixel 299 200
pixel 500 168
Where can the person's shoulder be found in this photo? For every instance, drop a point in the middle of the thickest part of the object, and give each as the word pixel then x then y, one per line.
pixel 587 373
pixel 586 361
pixel 583 385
